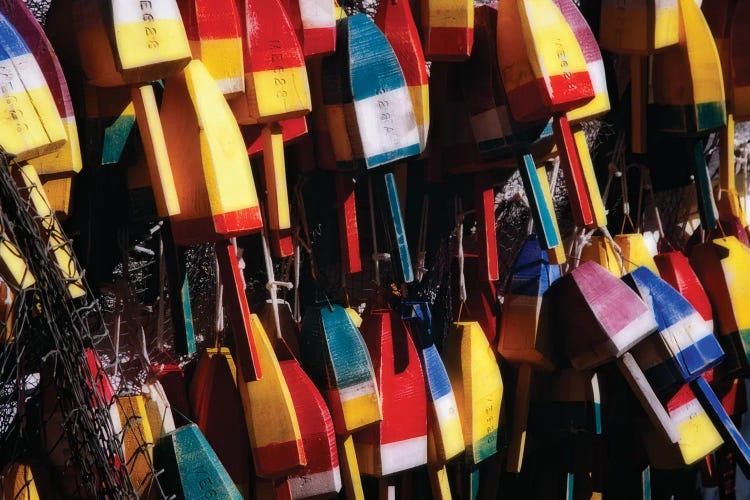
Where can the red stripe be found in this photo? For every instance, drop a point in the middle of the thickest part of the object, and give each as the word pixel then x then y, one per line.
pixel 319 41
pixel 396 21
pixel 567 92
pixel 278 459
pixel 488 239
pixel 281 243
pixel 526 102
pixel 348 231
pixel 210 19
pixel 580 204
pixel 272 43
pixel 239 222
pixel 291 129
pixel 449 44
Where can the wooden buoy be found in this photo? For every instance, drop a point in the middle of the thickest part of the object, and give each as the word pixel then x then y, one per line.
pixel 399 441
pixel 346 205
pixel 179 298
pixel 718 263
pixel 638 29
pixel 444 435
pixel 382 127
pixel 336 358
pixel 387 199
pixel 315 25
pixel 634 252
pixel 68 157
pixel 739 38
pixel 524 340
pixel 447 29
pixel 270 415
pixel 110 117
pixel 158 409
pixel 18 483
pixel 191 468
pixel 698 436
pixel 137 441
pixel 210 165
pixel 675 269
pixel 696 106
pixel 218 411
pixel 395 20
pixel 214 32
pixel 33 126
pixel 601 250
pixel 599 319
pixel 31 190
pixel 172 380
pixel 539 82
pixel 59 194
pixel 478 386
pixel 684 346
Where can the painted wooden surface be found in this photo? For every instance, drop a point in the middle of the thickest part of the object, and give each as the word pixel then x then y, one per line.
pixel 447 29
pixel 172 379
pixel 19 483
pixel 216 404
pixel 210 165
pixel 684 346
pixel 718 263
pixel 214 32
pixel 180 306
pixel 238 311
pixel 59 194
pixel 674 268
pixel 292 130
pixel 270 415
pixel 149 39
pixel 522 338
pixel 635 253
pixel 609 317
pixel 638 26
pixel 739 39
pixel 382 127
pixel 314 22
pixel 539 82
pixel 68 157
pixel 321 475
pixel 336 358
pixel 31 125
pixel 484 196
pixel 601 251
pixel 346 204
pixel 31 190
pixel 478 386
pixel 96 54
pixel 395 20
pixel 387 198
pixel 698 435
pixel 274 172
pixel 158 410
pixel 155 149
pixel 697 106
pixel 276 85
pixel 445 437
pixel 137 441
pixel 191 468
pixel 336 100
pixel 399 441
pixel 110 117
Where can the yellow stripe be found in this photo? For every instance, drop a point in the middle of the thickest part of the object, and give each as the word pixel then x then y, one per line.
pixel 592 186
pixel 361 411
pixel 420 99
pixel 635 253
pixel 59 192
pixel 65 159
pixel 51 231
pixel 30 125
pixel 448 13
pixel 275 174
pixel 698 438
pixel 451 438
pixel 600 250
pixel 222 58
pixel 705 65
pixel 269 410
pixel 278 93
pixel 142 43
pixel 222 146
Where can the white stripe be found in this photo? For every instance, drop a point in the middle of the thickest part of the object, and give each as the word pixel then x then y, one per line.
pixel 356 391
pixel 634 332
pixel 20 73
pixel 446 408
pixel 403 455
pixel 231 85
pixel 386 122
pixel 598 76
pixel 687 411
pixel 132 11
pixel 685 333
pixel 317 14
pixel 318 483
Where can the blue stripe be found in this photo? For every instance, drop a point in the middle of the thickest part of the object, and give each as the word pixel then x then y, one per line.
pixel 542 213
pixel 532 274
pixel 389 156
pixel 11 42
pixel 374 67
pixel 723 423
pixel 674 372
pixel 436 376
pixel 403 262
